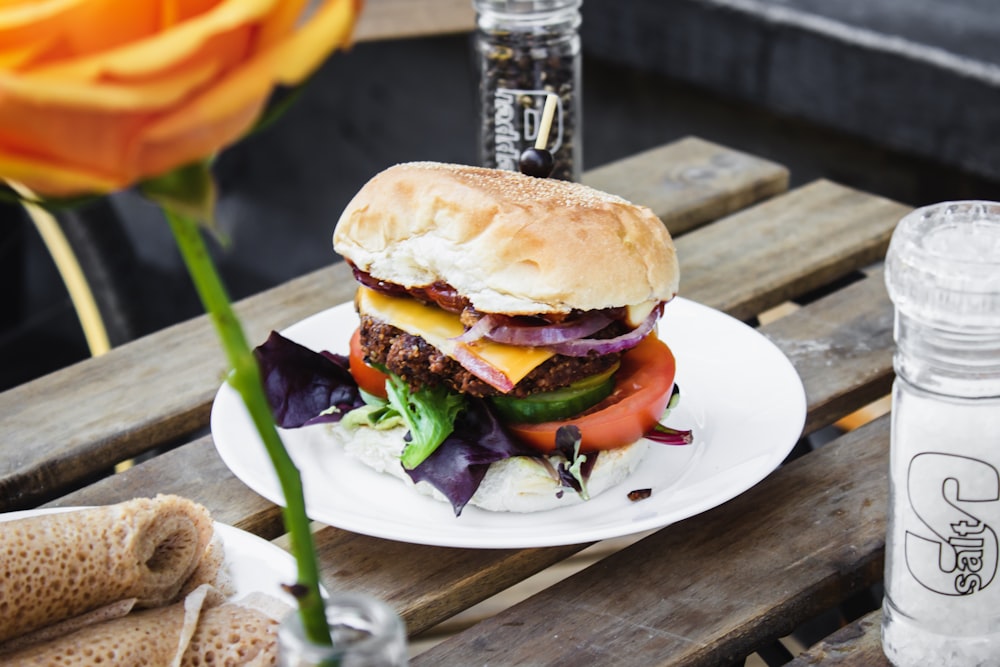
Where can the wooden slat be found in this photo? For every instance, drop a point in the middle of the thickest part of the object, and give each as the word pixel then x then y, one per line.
pixel 785 247
pixel 858 644
pixel 842 348
pixel 62 429
pixel 65 427
pixel 425 584
pixel 697 181
pixel 395 19
pixel 194 471
pixel 808 536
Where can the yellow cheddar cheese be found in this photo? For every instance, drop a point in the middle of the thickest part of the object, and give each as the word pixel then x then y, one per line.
pixel 440 328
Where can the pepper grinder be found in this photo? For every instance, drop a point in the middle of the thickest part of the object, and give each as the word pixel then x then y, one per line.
pixel 525 51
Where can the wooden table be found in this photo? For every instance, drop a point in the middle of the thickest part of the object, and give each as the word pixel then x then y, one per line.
pixel 709 590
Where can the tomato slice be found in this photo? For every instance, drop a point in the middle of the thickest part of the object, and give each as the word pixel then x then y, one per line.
pixel 642 391
pixel 369 379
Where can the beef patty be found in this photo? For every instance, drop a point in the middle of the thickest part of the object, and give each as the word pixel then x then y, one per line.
pixel 420 364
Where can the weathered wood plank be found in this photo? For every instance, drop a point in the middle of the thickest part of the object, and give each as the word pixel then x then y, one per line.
pixel 395 19
pixel 841 346
pixel 425 584
pixel 195 471
pixel 697 181
pixel 785 247
pixel 69 425
pixel 60 430
pixel 858 644
pixel 808 536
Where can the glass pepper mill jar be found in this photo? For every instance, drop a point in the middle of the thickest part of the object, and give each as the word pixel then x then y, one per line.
pixel 526 50
pixel 942 592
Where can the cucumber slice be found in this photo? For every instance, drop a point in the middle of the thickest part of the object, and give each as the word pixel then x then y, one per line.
pixel 558 404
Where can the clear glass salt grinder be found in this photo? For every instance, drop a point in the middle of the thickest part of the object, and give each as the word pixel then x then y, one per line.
pixel 942 593
pixel 526 50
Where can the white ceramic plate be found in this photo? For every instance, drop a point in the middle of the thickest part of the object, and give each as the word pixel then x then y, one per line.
pixel 255 565
pixel 739 394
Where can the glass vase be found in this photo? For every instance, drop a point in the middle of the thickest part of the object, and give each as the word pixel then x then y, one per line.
pixel 366 633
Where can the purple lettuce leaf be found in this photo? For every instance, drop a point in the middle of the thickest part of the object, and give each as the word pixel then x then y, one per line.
pixel 302 384
pixel 669 436
pixel 575 471
pixel 666 435
pixel 458 465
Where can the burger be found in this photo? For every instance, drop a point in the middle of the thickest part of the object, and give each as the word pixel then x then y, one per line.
pixel 507 354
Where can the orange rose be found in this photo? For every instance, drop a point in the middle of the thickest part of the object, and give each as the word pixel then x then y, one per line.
pixel 96 95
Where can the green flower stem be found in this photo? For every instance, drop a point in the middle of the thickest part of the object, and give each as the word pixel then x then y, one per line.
pixel 245 378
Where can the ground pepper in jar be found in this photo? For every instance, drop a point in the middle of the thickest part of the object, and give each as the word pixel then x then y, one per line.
pixel 526 50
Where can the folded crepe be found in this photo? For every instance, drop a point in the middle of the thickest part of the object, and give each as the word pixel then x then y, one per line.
pixel 141 553
pixel 201 630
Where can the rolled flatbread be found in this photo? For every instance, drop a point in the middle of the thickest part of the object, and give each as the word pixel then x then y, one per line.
pixel 62 565
pixel 197 631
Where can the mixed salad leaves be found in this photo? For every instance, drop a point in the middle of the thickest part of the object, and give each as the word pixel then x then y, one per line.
pixel 451 439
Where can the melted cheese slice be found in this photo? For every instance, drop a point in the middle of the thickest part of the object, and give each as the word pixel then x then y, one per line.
pixel 440 328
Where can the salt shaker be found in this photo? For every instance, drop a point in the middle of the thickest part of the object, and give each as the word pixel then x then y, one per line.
pixel 526 50
pixel 942 593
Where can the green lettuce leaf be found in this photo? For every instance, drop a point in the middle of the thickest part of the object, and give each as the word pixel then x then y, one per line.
pixel 429 414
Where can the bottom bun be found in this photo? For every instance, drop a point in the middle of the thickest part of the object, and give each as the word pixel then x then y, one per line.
pixel 517 484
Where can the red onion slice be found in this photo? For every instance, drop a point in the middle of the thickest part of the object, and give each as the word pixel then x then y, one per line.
pixel 483 326
pixel 499 329
pixel 584 346
pixel 473 363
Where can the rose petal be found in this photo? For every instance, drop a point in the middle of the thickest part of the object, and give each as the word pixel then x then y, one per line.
pixel 73 28
pixel 282 21
pixel 43 126
pixel 287 63
pixel 44 177
pixel 296 58
pixel 158 153
pixel 194 85
pixel 29 15
pixel 18 56
pixel 164 50
pixel 159 93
